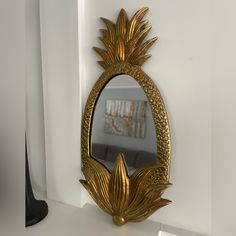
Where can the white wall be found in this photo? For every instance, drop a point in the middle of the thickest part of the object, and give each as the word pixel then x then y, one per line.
pixel 59 39
pixel 180 66
pixel 34 97
pixel 224 119
pixel 12 117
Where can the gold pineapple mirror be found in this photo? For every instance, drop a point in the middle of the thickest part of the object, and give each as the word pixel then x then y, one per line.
pixel 125 131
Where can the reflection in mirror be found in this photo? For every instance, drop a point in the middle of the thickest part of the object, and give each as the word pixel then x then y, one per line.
pixel 123 123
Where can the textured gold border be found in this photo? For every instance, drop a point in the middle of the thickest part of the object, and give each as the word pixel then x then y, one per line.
pixel 157 106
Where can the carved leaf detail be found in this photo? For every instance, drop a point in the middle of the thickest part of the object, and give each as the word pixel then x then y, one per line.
pixel 143 48
pixel 120 49
pixel 110 29
pixel 98 178
pixel 119 186
pixel 103 64
pixel 121 25
pixel 104 54
pixel 135 21
pixel 145 195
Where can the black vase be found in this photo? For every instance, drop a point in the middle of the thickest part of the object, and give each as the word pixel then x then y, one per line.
pixel 35 210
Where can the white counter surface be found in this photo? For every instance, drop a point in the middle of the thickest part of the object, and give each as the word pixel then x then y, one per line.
pixel 64 220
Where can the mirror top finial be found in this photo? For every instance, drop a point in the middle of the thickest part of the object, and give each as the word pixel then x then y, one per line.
pixel 124 41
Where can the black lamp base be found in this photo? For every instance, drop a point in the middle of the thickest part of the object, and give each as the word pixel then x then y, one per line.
pixel 35 210
pixel 38 211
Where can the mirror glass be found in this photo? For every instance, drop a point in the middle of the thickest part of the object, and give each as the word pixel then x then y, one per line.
pixel 123 123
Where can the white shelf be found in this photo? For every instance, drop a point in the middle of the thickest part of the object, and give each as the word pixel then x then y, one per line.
pixel 65 220
pixel 87 221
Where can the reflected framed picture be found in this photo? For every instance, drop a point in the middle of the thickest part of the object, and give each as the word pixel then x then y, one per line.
pixel 126 118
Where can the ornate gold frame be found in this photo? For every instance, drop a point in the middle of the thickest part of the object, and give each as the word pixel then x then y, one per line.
pixel 135 197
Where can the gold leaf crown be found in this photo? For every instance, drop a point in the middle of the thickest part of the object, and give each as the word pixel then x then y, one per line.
pixel 124 41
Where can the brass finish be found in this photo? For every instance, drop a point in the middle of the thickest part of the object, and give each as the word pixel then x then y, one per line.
pixel 127 198
pixel 123 40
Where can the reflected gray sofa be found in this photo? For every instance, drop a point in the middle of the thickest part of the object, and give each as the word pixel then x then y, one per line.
pixel 106 154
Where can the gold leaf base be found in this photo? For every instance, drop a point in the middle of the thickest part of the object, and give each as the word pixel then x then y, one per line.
pixel 125 198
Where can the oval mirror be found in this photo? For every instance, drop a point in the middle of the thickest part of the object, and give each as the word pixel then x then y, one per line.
pixel 125 136
pixel 123 123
